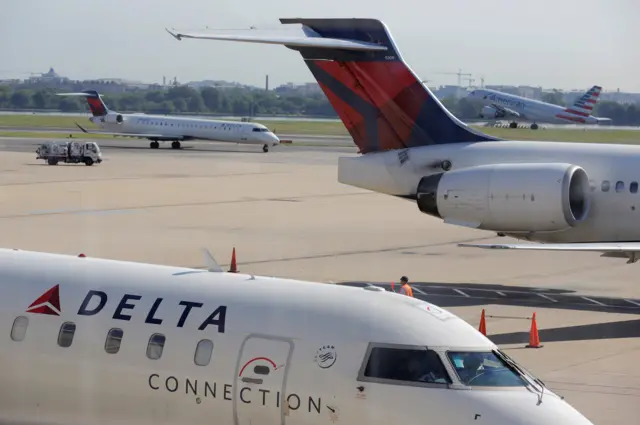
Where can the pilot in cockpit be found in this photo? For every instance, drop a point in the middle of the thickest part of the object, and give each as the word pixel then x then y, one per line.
pixel 471 366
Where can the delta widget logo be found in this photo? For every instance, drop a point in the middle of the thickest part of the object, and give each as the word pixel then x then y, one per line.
pixel 48 303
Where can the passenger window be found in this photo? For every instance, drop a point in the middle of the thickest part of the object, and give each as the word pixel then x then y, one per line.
pixel 19 328
pixel 605 186
pixel 619 186
pixel 633 187
pixel 155 346
pixel 407 365
pixel 114 339
pixel 203 352
pixel 65 336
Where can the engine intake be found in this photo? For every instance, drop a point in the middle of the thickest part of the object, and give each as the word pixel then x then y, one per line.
pixel 508 197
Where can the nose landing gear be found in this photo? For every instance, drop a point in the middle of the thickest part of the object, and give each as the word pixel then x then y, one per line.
pixel 265 148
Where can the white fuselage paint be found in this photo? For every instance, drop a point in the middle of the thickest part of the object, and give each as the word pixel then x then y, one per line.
pixel 268 321
pixel 530 109
pixel 204 129
pixel 613 217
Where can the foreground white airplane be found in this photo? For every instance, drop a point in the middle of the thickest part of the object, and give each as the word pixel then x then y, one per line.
pixel 91 341
pixel 505 105
pixel 166 128
pixel 572 196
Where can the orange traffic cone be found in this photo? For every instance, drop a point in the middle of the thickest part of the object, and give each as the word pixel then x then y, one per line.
pixel 483 324
pixel 234 266
pixel 534 338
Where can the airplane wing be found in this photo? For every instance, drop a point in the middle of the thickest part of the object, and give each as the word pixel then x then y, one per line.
pixel 252 36
pixel 506 110
pixel 608 249
pixel 143 135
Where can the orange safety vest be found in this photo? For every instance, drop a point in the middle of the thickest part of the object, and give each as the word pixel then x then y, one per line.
pixel 407 290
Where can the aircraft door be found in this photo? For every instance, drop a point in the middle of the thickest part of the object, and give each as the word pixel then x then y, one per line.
pixel 260 383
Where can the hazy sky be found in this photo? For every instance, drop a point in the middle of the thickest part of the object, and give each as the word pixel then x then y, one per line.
pixel 554 43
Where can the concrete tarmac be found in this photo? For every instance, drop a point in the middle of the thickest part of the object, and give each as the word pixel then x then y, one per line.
pixel 286 215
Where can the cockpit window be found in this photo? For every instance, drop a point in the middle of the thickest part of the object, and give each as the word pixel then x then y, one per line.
pixel 260 129
pixel 484 369
pixel 409 365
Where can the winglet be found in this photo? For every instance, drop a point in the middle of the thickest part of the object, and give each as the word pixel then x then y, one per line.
pixel 174 35
pixel 212 264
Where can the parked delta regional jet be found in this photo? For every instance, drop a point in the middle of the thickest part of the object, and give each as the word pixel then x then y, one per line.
pixel 91 341
pixel 166 128
pixel 504 105
pixel 572 196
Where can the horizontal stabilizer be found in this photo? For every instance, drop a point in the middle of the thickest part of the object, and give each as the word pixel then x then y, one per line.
pixel 299 41
pixel 83 94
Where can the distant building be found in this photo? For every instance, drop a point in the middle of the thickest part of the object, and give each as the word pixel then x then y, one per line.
pixel 50 77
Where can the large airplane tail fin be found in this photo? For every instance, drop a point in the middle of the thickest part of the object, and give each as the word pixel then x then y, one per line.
pixel 584 105
pixel 381 102
pixel 94 100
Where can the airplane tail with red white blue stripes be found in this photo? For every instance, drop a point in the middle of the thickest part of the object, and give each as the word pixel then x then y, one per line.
pixel 583 106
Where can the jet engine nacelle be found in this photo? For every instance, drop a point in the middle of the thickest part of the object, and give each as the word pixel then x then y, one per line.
pixel 489 112
pixel 508 197
pixel 114 119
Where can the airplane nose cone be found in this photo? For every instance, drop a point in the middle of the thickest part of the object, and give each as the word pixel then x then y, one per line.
pixel 275 139
pixel 523 408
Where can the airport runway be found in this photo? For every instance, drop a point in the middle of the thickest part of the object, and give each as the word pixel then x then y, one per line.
pixel 286 215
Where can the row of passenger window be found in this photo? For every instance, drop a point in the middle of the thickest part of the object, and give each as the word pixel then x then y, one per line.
pixel 155 346
pixel 399 364
pixel 606 185
pixel 209 126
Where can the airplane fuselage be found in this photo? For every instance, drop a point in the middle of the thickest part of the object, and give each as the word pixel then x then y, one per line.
pixel 92 341
pixel 187 128
pixel 533 110
pixel 613 172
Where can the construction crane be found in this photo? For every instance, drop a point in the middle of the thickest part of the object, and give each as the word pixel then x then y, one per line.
pixel 460 74
pixel 470 80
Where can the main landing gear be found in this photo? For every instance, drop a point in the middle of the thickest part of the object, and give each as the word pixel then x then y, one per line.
pixel 156 145
pixel 534 126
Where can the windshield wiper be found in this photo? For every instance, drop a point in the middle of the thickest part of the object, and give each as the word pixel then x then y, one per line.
pixel 514 367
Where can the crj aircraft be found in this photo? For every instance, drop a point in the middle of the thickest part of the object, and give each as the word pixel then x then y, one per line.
pixel 571 196
pixel 504 105
pixel 90 341
pixel 159 128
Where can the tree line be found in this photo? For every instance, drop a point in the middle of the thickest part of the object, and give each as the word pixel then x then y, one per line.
pixel 247 102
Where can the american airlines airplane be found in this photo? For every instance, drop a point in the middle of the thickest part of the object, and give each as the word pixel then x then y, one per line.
pixel 570 196
pixel 504 105
pixel 159 128
pixel 90 341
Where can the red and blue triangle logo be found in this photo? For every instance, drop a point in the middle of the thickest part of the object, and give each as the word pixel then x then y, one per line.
pixel 47 303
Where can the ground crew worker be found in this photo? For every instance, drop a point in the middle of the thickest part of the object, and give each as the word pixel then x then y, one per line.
pixel 405 289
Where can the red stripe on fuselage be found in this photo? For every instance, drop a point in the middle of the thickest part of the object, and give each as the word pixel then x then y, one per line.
pixel 569 118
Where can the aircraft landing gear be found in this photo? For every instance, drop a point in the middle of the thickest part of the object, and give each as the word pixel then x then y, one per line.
pixel 513 125
pixel 534 126
pixel 175 145
pixel 154 145
pixel 265 148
